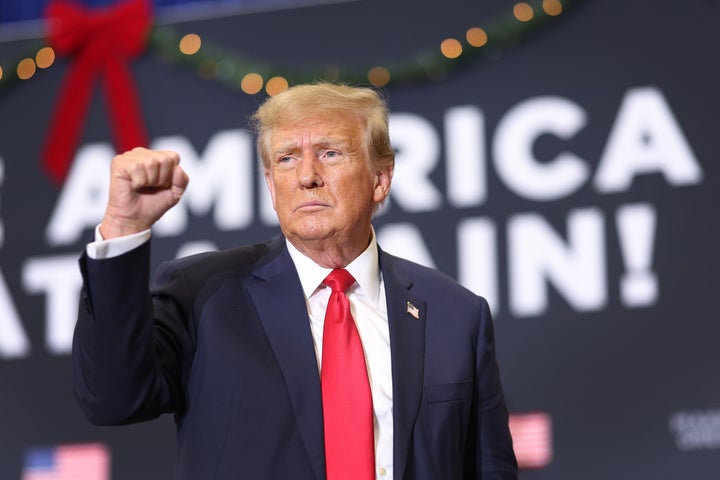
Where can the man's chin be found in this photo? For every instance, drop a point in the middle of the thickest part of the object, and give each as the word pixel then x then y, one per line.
pixel 309 234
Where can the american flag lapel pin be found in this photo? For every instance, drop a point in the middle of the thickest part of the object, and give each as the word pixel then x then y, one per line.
pixel 413 310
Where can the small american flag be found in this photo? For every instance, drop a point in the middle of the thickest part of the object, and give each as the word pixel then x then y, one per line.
pixel 532 439
pixel 413 310
pixel 67 462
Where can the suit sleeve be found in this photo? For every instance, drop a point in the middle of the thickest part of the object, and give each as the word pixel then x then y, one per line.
pixel 129 355
pixel 490 450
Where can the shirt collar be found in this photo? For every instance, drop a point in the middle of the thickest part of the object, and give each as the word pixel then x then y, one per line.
pixel 365 269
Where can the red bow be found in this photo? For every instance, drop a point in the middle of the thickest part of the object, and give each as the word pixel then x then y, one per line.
pixel 102 42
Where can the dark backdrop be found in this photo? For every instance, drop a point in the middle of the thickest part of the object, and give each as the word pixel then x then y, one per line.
pixel 571 177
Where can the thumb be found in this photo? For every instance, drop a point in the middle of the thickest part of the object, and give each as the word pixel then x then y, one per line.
pixel 180 181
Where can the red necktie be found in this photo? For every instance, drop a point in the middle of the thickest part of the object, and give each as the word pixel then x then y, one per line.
pixel 347 402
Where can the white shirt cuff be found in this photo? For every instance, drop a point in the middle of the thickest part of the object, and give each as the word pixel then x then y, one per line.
pixel 101 249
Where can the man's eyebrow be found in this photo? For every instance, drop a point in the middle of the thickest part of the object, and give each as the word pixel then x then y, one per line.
pixel 285 147
pixel 292 145
pixel 333 142
pixel 328 140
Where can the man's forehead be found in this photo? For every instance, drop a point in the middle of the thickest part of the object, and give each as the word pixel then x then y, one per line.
pixel 301 138
pixel 315 131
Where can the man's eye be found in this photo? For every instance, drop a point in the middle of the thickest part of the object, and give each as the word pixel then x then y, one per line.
pixel 284 159
pixel 332 154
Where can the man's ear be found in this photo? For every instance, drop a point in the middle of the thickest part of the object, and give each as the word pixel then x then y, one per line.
pixel 383 179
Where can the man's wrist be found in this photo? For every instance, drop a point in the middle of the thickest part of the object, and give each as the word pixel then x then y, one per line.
pixel 101 248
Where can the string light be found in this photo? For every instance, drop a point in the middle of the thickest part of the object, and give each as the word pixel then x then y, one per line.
pixel 430 65
pixel 26 68
pixel 451 48
pixel 523 11
pixel 552 7
pixel 276 85
pixel 251 83
pixel 476 36
pixel 45 57
pixel 379 76
pixel 190 44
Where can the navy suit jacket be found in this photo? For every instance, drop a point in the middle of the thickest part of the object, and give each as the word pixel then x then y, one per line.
pixel 222 340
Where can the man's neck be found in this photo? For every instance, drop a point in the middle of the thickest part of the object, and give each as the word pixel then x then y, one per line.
pixel 337 250
pixel 330 254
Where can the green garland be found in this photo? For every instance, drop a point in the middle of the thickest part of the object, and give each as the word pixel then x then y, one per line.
pixel 229 68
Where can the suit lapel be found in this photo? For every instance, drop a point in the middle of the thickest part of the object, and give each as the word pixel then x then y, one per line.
pixel 406 317
pixel 276 291
pixel 280 303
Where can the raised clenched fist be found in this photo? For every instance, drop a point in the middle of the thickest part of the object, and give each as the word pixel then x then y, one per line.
pixel 144 184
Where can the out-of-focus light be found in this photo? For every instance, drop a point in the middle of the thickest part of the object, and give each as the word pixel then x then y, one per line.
pixel 1 73
pixel 225 70
pixel 251 83
pixel 451 48
pixel 552 7
pixel 476 37
pixel 190 44
pixel 26 68
pixel 523 11
pixel 331 73
pixel 208 69
pixel 276 85
pixel 45 57
pixel 379 76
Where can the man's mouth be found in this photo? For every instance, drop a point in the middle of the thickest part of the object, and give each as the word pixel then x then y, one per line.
pixel 312 205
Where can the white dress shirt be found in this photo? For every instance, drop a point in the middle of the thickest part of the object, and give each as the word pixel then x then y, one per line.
pixel 368 307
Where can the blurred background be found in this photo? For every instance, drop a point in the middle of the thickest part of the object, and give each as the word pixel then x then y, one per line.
pixel 558 157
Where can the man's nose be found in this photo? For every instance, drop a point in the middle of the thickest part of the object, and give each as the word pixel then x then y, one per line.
pixel 308 171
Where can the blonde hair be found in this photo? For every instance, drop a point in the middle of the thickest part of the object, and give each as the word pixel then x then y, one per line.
pixel 296 103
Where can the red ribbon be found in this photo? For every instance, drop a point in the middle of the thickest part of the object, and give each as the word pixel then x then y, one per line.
pixel 101 43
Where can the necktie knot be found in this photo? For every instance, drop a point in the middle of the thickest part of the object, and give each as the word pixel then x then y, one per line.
pixel 339 280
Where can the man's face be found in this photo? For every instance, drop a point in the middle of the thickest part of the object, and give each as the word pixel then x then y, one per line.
pixel 322 184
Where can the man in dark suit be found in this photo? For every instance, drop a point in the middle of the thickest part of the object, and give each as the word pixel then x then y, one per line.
pixel 240 344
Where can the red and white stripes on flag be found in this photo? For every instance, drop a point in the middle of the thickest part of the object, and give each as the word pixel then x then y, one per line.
pixel 67 462
pixel 532 439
